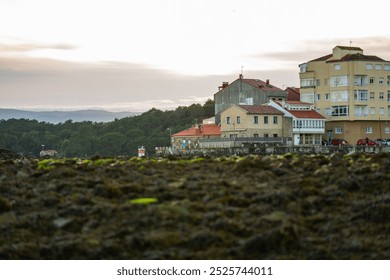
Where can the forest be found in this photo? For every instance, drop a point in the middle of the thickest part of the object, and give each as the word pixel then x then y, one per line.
pixel 121 137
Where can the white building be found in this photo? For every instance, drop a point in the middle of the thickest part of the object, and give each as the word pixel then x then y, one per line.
pixel 308 124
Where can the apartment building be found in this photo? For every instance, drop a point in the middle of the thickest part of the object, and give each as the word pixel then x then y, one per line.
pixel 352 90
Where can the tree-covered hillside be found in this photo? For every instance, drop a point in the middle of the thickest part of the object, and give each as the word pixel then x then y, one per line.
pixel 83 139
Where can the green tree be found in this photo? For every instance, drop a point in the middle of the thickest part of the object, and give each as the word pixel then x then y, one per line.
pixel 112 144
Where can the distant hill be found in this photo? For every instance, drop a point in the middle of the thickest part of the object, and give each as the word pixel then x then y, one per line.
pixel 62 116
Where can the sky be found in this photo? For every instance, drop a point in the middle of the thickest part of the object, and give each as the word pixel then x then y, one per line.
pixel 125 55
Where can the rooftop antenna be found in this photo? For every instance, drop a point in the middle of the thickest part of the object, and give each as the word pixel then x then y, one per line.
pixel 242 74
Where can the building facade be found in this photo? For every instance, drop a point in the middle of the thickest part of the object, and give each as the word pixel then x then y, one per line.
pixel 308 125
pixel 352 90
pixel 246 92
pixel 254 121
pixel 189 138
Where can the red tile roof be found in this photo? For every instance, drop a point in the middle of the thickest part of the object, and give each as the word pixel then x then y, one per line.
pixel 261 84
pixel 349 57
pixel 203 130
pixel 322 58
pixel 357 56
pixel 306 114
pixel 261 109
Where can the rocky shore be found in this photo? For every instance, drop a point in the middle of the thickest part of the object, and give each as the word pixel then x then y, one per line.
pixel 254 207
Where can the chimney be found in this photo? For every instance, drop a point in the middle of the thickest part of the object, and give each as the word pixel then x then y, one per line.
pixel 241 76
pixel 224 84
pixel 267 82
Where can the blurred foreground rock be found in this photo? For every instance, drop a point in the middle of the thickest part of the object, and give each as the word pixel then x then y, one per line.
pixel 255 207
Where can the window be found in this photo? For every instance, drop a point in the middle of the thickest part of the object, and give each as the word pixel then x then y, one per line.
pixel 328 111
pixel 388 111
pixel 372 80
pixel 361 111
pixel 387 67
pixel 339 96
pixel 360 95
pixel 238 119
pixel 337 67
pixel 381 96
pixel 308 83
pixel 388 95
pixel 378 66
pixel 338 130
pixel 228 120
pixel 372 95
pixel 381 81
pixel 369 129
pixel 360 80
pixel 265 119
pixel 372 110
pixel 307 97
pixel 382 110
pixel 275 135
pixel 256 119
pixel 327 96
pixel 256 135
pixel 265 135
pixel 339 81
pixel 369 66
pixel 275 119
pixel 303 67
pixel 317 139
pixel 340 111
pixel 317 97
pixel 387 130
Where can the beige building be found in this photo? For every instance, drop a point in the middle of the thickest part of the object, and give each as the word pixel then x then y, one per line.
pixel 254 121
pixel 352 90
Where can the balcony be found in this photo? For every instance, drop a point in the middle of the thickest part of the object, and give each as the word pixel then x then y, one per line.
pixel 360 81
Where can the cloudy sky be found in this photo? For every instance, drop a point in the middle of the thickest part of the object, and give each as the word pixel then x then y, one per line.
pixel 135 55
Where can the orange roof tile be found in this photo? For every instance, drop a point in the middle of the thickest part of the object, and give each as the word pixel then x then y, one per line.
pixel 260 109
pixel 203 130
pixel 306 114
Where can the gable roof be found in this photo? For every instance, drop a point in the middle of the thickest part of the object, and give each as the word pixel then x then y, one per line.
pixel 347 48
pixel 293 94
pixel 203 130
pixel 260 109
pixel 349 57
pixel 357 56
pixel 322 58
pixel 266 86
pixel 306 114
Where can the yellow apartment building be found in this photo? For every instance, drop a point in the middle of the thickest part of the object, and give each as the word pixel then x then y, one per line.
pixel 352 90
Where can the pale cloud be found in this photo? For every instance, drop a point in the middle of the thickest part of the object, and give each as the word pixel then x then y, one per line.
pixel 27 82
pixel 21 48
